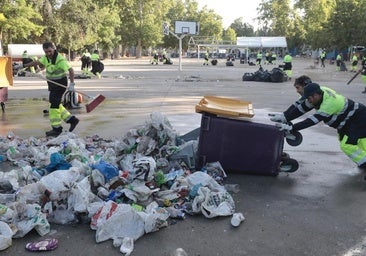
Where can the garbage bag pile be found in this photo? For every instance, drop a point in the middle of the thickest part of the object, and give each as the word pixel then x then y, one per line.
pixel 123 188
pixel 276 75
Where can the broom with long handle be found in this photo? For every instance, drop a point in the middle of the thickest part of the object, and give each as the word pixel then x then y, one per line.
pixel 354 76
pixel 89 106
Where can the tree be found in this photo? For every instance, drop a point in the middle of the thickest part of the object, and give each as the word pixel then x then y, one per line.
pixel 229 35
pixel 315 16
pixel 241 28
pixel 346 24
pixel 209 22
pixel 142 22
pixel 20 21
pixel 77 23
pixel 275 17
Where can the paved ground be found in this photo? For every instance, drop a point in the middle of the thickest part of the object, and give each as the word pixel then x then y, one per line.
pixel 318 210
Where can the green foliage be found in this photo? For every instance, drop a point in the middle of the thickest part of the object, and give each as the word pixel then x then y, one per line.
pixel 241 28
pixel 229 35
pixel 107 24
pixel 20 21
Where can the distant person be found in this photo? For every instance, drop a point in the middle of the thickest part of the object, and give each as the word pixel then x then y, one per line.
pixel 363 72
pixel 85 62
pixel 26 59
pixel 95 60
pixel 259 58
pixel 206 59
pixel 57 68
pixel 287 60
pixel 354 63
pixel 322 58
pixel 155 59
pixel 339 61
pixel 274 58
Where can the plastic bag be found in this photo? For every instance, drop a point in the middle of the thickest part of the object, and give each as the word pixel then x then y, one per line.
pixel 144 168
pixel 108 170
pixel 6 235
pixel 124 222
pixel 213 203
pixel 6 214
pixel 32 193
pixel 58 162
pixel 80 196
pixel 29 216
pixel 62 216
pixel 127 246
pixel 61 181
pixel 155 217
pixel 137 191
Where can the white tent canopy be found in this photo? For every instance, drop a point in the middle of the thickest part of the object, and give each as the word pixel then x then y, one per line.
pixel 261 42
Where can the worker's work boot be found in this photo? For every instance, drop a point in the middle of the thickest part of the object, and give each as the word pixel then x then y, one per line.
pixel 54 132
pixel 73 121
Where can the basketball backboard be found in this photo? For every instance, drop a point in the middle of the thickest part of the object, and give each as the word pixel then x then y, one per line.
pixel 186 27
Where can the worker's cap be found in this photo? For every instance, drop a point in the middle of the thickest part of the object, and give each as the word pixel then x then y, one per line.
pixel 310 89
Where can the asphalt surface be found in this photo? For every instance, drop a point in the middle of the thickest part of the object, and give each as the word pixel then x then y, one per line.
pixel 318 210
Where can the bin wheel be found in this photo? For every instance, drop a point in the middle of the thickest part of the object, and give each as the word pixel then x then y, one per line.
pixel 294 138
pixel 289 165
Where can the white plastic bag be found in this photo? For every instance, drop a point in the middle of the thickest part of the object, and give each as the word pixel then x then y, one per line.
pixel 137 191
pixel 127 246
pixel 29 216
pixel 205 180
pixel 124 222
pixel 213 203
pixel 155 217
pixel 6 214
pixel 6 235
pixel 31 193
pixel 80 196
pixel 60 181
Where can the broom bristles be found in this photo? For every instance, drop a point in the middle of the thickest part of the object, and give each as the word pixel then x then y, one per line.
pixel 94 103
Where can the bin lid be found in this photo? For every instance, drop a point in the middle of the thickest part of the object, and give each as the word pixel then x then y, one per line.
pixel 225 107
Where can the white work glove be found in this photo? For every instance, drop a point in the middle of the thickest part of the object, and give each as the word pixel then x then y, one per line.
pixel 284 127
pixel 71 86
pixel 279 118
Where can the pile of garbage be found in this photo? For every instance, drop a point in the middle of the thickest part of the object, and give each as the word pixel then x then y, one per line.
pixel 122 188
pixel 276 75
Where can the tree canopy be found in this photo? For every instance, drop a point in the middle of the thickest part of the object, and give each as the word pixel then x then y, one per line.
pixel 109 24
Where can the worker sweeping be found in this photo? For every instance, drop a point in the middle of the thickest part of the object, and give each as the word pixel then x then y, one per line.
pixel 57 68
pixel 345 115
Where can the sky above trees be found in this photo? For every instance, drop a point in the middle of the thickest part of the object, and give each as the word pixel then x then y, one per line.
pixel 230 10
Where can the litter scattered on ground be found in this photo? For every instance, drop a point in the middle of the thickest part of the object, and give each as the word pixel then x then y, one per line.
pixel 123 188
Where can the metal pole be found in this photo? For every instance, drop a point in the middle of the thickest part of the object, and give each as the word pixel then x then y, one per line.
pixel 180 54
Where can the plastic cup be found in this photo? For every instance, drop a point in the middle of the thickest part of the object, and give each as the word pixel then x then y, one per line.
pixel 237 219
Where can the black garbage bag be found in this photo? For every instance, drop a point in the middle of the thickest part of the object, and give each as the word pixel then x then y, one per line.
pixel 262 76
pixel 277 75
pixel 99 67
pixel 248 77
